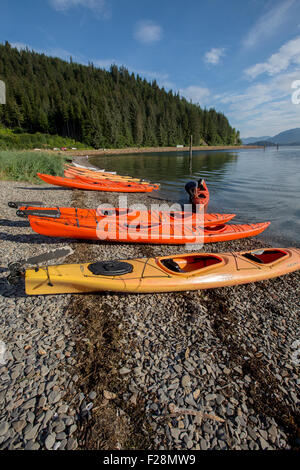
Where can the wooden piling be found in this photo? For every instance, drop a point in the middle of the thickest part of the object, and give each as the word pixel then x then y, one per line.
pixel 191 155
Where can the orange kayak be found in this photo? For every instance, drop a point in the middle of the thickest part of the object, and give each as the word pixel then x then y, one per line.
pixel 113 186
pixel 199 194
pixel 181 272
pixel 93 180
pixel 96 215
pixel 72 172
pixel 141 231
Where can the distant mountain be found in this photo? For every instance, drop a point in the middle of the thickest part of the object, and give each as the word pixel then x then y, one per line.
pixel 289 137
pixel 251 140
pixel 263 143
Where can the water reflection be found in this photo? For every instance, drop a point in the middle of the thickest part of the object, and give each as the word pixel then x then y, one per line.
pixel 257 185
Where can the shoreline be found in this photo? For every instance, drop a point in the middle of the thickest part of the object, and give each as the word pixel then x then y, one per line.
pixel 82 153
pixel 193 370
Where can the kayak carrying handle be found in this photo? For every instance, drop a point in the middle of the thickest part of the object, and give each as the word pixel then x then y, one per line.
pixel 16 204
pixel 50 213
pixel 21 214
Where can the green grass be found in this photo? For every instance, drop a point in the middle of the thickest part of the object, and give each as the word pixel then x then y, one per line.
pixel 23 166
pixel 17 139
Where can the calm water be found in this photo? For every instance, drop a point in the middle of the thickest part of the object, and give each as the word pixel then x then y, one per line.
pixel 254 184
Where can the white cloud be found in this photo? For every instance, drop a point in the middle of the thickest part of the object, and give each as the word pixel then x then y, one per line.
pixel 214 55
pixel 98 6
pixel 287 55
pixel 196 94
pixel 264 108
pixel 268 24
pixel 147 32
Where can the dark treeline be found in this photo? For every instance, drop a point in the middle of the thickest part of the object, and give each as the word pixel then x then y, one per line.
pixel 100 108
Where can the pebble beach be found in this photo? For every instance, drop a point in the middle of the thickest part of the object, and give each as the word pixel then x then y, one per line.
pixel 203 370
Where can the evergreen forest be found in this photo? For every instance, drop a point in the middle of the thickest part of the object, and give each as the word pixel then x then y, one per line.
pixel 100 108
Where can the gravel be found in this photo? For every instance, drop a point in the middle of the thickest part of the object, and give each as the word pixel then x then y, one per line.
pixel 35 332
pixel 215 368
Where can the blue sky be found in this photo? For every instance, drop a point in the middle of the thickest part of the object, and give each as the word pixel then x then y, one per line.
pixel 240 57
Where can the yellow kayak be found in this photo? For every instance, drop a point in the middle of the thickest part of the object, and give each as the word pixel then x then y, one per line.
pixel 181 272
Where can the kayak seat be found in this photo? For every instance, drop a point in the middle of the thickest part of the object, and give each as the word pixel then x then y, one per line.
pixel 265 257
pixel 253 258
pixel 169 263
pixel 189 264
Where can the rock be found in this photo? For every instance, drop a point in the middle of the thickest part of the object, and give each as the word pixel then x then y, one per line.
pixel 252 433
pixel 42 402
pixel 59 426
pixel 189 399
pixel 240 421
pixel 203 444
pixel 50 440
pixel 207 428
pixel 63 409
pixel 31 432
pixel 264 445
pixel 178 368
pixel 219 399
pixel 72 444
pixel 189 443
pixel 19 425
pixel 175 432
pixel 272 433
pixel 72 429
pixel 30 404
pixel 92 395
pixel 4 427
pixel 54 397
pixel 32 445
pixel 186 381
pixel 109 395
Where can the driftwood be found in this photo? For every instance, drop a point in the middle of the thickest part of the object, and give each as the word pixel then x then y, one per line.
pixel 183 411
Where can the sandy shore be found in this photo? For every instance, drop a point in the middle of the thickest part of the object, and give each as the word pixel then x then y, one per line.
pixel 130 150
pixel 196 370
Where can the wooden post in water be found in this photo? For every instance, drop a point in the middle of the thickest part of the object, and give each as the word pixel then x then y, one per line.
pixel 191 155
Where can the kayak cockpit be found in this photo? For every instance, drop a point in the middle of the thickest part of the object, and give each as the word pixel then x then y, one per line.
pixel 190 264
pixel 265 256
